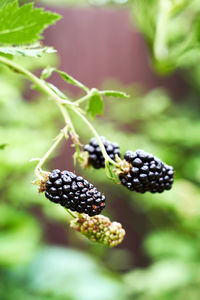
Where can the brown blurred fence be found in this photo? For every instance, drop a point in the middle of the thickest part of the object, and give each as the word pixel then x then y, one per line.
pixel 96 44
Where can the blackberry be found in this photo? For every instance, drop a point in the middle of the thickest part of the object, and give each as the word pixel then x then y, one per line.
pixel 74 192
pixel 96 158
pixel 99 229
pixel 147 173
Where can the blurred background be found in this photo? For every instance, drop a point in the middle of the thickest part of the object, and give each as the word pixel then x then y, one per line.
pixel 151 50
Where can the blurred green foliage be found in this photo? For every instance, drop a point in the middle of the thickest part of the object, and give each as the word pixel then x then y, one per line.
pixel 156 123
pixel 171 28
pixel 24 136
pixel 29 269
pixel 59 274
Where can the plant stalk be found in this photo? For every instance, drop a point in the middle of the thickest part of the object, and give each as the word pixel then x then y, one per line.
pixel 73 106
pixel 39 82
pixel 48 153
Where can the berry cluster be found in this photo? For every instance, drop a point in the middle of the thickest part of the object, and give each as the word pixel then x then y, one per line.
pixel 147 173
pixel 96 158
pixel 74 192
pixel 139 171
pixel 99 229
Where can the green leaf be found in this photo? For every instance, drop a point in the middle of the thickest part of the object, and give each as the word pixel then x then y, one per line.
pixel 69 79
pixel 26 51
pixel 46 73
pixel 3 146
pixel 95 105
pixel 115 94
pixel 56 90
pixel 23 25
pixel 109 173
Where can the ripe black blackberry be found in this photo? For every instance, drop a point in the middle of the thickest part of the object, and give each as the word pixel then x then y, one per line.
pixel 74 192
pixel 147 173
pixel 96 158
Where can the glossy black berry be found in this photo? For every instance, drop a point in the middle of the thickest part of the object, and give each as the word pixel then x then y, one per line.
pixel 147 174
pixel 96 158
pixel 74 192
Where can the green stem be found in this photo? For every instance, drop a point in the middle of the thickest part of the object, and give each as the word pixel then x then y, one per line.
pixel 160 43
pixel 83 99
pixel 71 214
pixel 86 97
pixel 103 150
pixel 48 153
pixel 70 125
pixel 67 119
pixel 43 86
pixel 39 82
pixel 65 115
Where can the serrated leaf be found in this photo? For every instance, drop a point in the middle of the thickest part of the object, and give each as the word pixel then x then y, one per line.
pixel 46 73
pixel 3 146
pixel 115 94
pixel 23 51
pixel 95 105
pixel 69 79
pixel 24 24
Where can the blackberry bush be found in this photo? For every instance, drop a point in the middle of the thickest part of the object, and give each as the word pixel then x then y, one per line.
pixel 96 158
pixel 139 171
pixel 74 193
pixel 146 173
